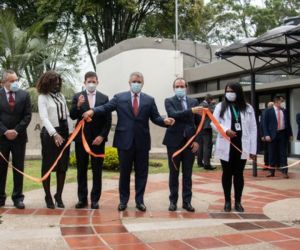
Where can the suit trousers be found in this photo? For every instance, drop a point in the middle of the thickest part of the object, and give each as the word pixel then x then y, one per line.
pixel 139 159
pixel 186 159
pixel 82 158
pixel 205 149
pixel 278 151
pixel 17 150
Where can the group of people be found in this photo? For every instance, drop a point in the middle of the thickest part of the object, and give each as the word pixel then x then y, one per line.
pixel 134 109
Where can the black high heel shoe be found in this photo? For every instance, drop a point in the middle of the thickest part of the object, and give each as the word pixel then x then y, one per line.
pixel 58 201
pixel 49 202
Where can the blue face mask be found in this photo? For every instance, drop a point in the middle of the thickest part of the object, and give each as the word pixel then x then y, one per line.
pixel 136 87
pixel 14 87
pixel 180 92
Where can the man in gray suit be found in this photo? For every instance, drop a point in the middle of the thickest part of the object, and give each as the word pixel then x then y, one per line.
pixel 15 116
pixel 205 149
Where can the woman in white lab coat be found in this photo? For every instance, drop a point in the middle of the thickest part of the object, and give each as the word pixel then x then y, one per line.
pixel 237 118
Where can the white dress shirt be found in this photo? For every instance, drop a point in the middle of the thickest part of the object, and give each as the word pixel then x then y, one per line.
pixel 282 125
pixel 91 98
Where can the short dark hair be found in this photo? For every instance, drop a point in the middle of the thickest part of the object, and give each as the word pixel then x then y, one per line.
pixel 181 79
pixel 278 98
pixel 208 97
pixel 90 74
pixel 46 80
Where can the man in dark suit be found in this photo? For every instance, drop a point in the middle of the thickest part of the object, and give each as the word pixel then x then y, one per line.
pixel 277 130
pixel 132 136
pixel 96 133
pixel 181 108
pixel 206 135
pixel 15 116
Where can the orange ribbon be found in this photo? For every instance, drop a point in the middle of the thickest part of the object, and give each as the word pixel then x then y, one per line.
pixel 80 126
pixel 206 112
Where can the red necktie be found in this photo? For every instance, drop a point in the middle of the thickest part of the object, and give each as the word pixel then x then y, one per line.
pixel 135 105
pixel 278 119
pixel 11 101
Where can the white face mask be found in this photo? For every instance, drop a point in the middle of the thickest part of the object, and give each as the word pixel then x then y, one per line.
pixel 230 96
pixel 282 105
pixel 91 87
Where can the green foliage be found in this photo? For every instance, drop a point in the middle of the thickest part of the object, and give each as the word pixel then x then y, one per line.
pixel 72 160
pixel 155 164
pixel 111 160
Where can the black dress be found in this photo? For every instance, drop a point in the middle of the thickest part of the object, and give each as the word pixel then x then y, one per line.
pixel 50 151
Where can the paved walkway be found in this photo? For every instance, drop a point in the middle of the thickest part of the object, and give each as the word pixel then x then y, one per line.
pixel 271 219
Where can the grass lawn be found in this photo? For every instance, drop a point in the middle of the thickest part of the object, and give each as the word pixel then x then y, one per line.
pixel 33 168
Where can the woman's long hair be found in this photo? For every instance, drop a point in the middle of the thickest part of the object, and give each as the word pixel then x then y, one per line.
pixel 240 101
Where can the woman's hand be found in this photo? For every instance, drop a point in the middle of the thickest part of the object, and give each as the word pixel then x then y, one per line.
pixel 58 139
pixel 230 133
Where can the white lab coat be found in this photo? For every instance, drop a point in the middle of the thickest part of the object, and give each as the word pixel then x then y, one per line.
pixel 249 133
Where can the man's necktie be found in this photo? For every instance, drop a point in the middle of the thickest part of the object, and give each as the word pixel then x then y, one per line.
pixel 91 100
pixel 135 105
pixel 183 104
pixel 278 119
pixel 11 101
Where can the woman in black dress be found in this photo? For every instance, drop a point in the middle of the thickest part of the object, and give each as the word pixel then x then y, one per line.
pixel 54 114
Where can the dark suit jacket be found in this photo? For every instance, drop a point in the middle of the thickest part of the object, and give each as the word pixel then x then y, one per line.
pixel 131 129
pixel 270 125
pixel 99 126
pixel 185 121
pixel 18 119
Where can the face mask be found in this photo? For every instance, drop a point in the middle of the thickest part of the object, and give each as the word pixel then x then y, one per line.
pixel 136 87
pixel 180 92
pixel 230 96
pixel 91 87
pixel 14 87
pixel 282 105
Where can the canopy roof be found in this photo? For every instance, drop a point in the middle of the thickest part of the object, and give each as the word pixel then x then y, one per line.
pixel 277 47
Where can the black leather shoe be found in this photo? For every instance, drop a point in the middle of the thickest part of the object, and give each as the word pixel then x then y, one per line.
pixel 58 201
pixel 209 167
pixel 238 207
pixel 122 207
pixel 141 207
pixel 227 206
pixel 172 207
pixel 19 204
pixel 81 204
pixel 271 175
pixel 49 202
pixel 94 205
pixel 188 207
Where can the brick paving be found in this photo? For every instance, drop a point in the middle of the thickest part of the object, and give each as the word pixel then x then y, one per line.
pixel 106 228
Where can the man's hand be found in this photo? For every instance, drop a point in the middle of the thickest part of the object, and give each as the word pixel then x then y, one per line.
pixel 230 133
pixel 11 134
pixel 268 138
pixel 58 139
pixel 252 157
pixel 169 121
pixel 194 147
pixel 80 101
pixel 197 110
pixel 98 140
pixel 88 114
